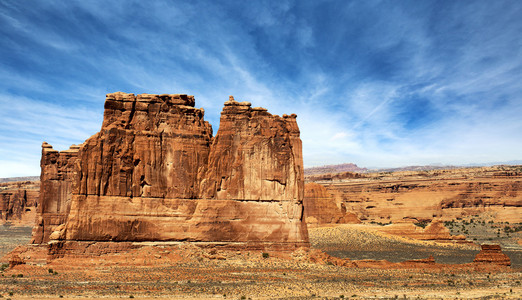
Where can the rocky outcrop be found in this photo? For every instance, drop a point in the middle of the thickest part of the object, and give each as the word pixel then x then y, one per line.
pixel 155 173
pixel 434 231
pixel 320 209
pixel 492 254
pixel 18 202
pixel 15 261
pixel 55 190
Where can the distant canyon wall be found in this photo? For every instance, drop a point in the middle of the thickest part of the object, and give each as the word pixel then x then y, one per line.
pixel 18 202
pixel 495 192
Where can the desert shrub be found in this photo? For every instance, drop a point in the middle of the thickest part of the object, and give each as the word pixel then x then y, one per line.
pixel 266 255
pixel 50 271
pixel 3 267
pixel 422 224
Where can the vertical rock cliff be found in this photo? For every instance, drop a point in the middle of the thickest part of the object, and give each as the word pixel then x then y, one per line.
pixel 155 173
pixel 255 172
pixel 55 190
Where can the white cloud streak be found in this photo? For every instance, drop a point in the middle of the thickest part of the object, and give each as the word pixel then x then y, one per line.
pixel 413 84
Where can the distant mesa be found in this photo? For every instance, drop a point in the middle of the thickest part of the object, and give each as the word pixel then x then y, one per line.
pixel 348 167
pixel 154 172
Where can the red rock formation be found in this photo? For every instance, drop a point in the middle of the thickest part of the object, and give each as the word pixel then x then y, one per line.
pixel 18 202
pixel 15 261
pixel 492 254
pixel 55 190
pixel 149 146
pixel 320 209
pixel 154 173
pixel 255 156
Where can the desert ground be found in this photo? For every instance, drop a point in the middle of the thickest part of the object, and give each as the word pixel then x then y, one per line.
pixel 187 271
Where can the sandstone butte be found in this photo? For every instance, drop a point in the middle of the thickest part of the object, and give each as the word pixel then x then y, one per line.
pixel 155 173
pixel 492 254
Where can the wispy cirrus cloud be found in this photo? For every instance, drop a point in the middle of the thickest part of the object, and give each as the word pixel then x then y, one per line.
pixel 377 83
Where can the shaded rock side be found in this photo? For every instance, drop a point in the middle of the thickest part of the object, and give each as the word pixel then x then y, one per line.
pixel 152 173
pixel 321 208
pixel 492 254
pixel 55 190
pixel 18 202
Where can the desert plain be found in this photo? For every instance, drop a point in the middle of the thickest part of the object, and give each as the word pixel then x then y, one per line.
pixel 372 270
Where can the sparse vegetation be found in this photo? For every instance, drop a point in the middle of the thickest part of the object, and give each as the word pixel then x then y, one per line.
pixel 3 267
pixel 422 223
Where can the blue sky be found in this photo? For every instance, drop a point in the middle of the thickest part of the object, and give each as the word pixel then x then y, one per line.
pixel 376 83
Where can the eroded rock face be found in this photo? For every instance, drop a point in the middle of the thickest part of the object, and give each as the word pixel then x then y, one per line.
pixel 149 146
pixel 321 208
pixel 492 254
pixel 55 190
pixel 155 173
pixel 255 156
pixel 18 202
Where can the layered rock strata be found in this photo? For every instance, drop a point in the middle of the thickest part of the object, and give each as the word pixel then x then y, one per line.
pixel 321 208
pixel 155 173
pixel 18 202
pixel 492 254
pixel 424 196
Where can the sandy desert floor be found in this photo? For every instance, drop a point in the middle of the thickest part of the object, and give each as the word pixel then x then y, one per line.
pixel 187 271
